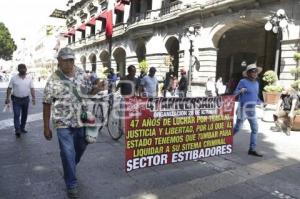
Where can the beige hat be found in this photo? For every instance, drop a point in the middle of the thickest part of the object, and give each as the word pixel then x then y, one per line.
pixel 251 67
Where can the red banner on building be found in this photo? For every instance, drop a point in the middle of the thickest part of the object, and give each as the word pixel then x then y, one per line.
pixel 162 131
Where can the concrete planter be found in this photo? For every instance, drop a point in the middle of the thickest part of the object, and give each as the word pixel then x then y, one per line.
pixel 268 112
pixel 296 125
pixel 271 97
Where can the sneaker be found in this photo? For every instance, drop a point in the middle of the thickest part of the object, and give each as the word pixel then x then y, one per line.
pixel 73 193
pixel 24 131
pixel 275 129
pixel 288 131
pixel 18 133
pixel 254 153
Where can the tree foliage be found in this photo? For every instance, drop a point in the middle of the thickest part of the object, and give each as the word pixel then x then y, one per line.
pixel 7 44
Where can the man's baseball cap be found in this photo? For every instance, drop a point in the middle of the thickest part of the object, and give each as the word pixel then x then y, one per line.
pixel 66 53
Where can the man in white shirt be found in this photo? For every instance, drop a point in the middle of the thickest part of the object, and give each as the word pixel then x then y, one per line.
pixel 149 84
pixel 19 89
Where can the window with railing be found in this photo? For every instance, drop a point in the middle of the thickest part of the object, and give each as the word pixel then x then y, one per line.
pixel 149 5
pixel 92 9
pixel 103 25
pixel 83 34
pixel 170 7
pixel 73 38
pixel 210 2
pixel 93 30
pixel 103 4
pixel 137 6
pixel 119 17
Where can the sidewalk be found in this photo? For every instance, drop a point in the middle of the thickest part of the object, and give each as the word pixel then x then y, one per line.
pixel 31 168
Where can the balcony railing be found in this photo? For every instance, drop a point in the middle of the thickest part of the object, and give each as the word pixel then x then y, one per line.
pixel 141 16
pixel 211 2
pixel 119 28
pixel 171 8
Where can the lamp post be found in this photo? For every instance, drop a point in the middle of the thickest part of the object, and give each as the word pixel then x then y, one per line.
pixel 243 64
pixel 277 23
pixel 191 37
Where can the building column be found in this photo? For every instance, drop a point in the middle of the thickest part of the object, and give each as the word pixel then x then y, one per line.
pixel 126 13
pixel 287 60
pixel 156 5
pixel 208 65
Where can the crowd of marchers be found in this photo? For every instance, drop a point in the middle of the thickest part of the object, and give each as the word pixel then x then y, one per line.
pixel 62 103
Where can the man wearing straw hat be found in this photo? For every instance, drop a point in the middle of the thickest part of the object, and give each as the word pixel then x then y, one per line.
pixel 247 91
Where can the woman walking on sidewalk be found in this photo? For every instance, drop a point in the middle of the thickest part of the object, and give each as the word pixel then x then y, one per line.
pixel 247 91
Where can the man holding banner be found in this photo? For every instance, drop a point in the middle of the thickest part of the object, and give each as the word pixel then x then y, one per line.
pixel 247 91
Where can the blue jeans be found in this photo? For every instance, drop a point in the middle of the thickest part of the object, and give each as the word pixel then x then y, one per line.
pixel 72 145
pixel 243 113
pixel 20 108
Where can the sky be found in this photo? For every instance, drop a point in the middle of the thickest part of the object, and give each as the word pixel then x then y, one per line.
pixel 24 18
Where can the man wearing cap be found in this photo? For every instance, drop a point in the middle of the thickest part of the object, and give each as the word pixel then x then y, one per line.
pixel 183 83
pixel 149 84
pixel 62 97
pixel 19 88
pixel 247 91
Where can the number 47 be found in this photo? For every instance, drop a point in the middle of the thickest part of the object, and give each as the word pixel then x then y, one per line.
pixel 134 123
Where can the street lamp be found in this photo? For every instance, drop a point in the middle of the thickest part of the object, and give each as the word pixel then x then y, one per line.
pixel 191 37
pixel 244 64
pixel 277 23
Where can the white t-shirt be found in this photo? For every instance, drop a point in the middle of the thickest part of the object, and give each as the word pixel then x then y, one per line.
pixel 150 85
pixel 211 88
pixel 20 87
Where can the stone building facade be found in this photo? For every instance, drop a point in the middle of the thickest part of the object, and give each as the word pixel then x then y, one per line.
pixel 225 34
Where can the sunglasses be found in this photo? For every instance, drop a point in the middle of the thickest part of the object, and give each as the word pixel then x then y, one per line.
pixel 253 71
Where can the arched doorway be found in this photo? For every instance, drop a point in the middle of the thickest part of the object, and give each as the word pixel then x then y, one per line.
pixel 83 62
pixel 93 61
pixel 242 45
pixel 119 55
pixel 104 58
pixel 172 46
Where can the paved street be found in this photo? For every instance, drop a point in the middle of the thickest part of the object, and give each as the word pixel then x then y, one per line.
pixel 31 168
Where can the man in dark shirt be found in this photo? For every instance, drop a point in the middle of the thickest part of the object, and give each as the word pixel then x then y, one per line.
pixel 129 84
pixel 111 78
pixel 183 84
pixel 167 80
pixel 284 116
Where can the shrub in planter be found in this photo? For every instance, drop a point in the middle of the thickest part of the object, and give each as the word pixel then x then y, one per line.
pixel 273 88
pixel 270 77
pixel 296 72
pixel 272 91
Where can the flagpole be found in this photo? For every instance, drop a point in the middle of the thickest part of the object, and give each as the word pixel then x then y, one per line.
pixel 109 52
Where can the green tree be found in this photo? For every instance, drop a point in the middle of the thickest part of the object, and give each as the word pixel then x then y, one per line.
pixel 7 44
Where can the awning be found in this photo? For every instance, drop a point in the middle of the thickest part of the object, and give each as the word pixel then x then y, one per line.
pixel 71 31
pixel 127 2
pixel 91 22
pixel 107 16
pixel 81 27
pixel 102 15
pixel 119 7
pixel 65 34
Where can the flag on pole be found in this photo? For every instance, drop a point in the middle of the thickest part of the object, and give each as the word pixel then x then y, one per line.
pixel 109 25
